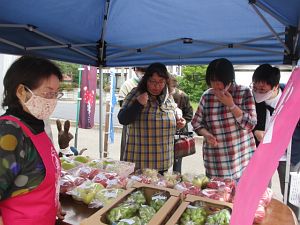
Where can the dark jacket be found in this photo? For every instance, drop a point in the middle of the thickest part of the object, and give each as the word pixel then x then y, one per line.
pixel 183 102
pixel 261 111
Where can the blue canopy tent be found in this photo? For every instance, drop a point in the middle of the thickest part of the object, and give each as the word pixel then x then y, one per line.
pixel 138 32
pixel 111 33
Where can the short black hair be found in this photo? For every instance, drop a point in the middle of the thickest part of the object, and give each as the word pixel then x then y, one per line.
pixel 268 74
pixel 158 68
pixel 220 70
pixel 29 71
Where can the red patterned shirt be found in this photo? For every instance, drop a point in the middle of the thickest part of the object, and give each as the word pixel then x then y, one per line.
pixel 235 140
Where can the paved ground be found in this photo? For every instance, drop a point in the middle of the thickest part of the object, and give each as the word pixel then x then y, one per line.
pixel 89 138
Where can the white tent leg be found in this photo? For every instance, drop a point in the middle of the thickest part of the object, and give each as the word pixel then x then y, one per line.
pixel 287 173
pixel 100 111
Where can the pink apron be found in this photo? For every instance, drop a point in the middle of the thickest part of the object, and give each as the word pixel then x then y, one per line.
pixel 38 206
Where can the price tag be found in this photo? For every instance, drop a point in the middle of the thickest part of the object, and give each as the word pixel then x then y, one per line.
pixel 129 221
pixel 111 194
pixel 294 197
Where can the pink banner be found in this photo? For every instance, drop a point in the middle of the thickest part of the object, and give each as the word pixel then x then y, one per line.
pixel 88 97
pixel 264 162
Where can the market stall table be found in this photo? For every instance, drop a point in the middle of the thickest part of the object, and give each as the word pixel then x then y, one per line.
pixel 76 211
pixel 277 213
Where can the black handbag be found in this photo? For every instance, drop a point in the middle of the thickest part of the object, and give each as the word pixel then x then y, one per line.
pixel 184 145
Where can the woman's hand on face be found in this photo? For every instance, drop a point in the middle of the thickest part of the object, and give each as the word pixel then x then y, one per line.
pixel 212 140
pixel 143 98
pixel 180 123
pixel 224 97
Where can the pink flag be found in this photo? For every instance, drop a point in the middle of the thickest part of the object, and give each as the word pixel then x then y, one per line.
pixel 264 162
pixel 88 97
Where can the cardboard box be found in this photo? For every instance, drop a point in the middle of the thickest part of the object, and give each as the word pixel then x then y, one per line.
pixel 190 200
pixel 99 218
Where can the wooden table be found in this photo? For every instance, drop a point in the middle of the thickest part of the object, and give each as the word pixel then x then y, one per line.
pixel 76 211
pixel 277 213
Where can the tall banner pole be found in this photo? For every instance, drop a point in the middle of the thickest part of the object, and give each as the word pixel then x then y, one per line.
pixel 78 105
pixel 113 102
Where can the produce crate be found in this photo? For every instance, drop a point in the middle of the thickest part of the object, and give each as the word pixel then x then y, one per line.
pixel 163 214
pixel 191 200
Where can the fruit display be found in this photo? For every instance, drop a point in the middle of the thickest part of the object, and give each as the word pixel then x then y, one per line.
pixel 158 200
pixel 110 180
pixel 136 197
pixel 86 191
pixel 123 211
pixel 221 217
pixel 131 221
pixel 105 196
pixel 81 159
pixel 146 213
pixel 193 215
pixel 265 200
pixel 201 211
pixel 200 181
pixel 143 202
pixel 186 187
pixel 122 168
pixel 83 178
pixel 87 172
pixel 69 182
pixel 221 189
pixel 171 178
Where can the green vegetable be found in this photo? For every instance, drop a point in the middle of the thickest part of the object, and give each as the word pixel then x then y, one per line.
pixel 137 197
pixel 194 216
pixel 146 213
pixel 158 200
pixel 222 217
pixel 123 211
pixel 131 221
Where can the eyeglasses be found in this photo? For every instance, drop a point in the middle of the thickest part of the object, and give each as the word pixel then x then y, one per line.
pixel 48 95
pixel 157 83
pixel 261 90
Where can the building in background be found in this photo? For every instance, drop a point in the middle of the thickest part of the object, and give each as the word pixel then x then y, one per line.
pixel 243 73
pixel 5 62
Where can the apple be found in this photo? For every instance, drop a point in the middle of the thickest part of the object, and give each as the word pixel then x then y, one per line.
pixel 68 165
pixel 81 158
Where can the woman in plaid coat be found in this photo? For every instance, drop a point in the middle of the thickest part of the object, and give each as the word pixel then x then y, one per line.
pixel 149 113
pixel 225 118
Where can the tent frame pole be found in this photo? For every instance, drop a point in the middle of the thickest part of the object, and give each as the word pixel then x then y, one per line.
pixel 33 29
pixel 101 65
pixel 270 28
pixel 287 173
pixel 297 41
pixel 219 46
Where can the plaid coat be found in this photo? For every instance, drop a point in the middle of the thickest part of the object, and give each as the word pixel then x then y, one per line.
pixel 236 143
pixel 150 138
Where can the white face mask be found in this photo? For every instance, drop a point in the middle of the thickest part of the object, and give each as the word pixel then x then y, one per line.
pixel 40 107
pixel 260 97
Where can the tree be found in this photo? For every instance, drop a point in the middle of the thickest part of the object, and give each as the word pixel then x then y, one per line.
pixel 70 69
pixel 193 82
